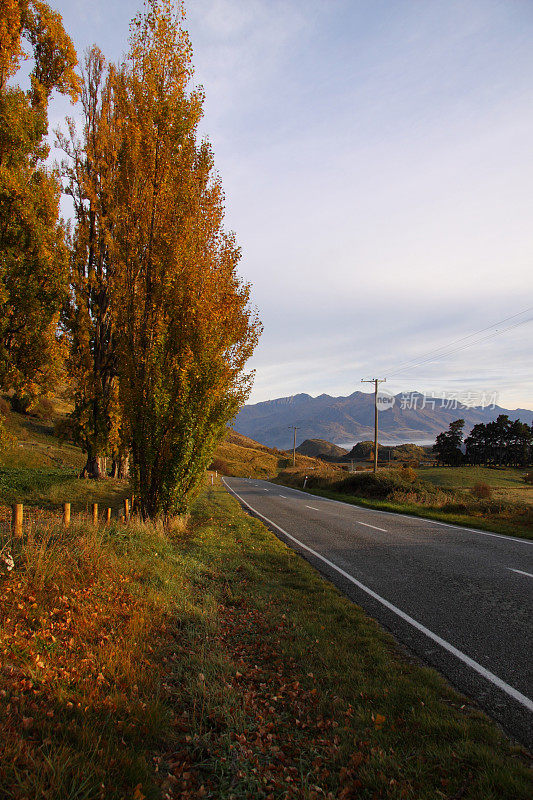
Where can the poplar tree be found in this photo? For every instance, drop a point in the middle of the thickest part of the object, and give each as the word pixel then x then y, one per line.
pixel 91 173
pixel 33 255
pixel 182 313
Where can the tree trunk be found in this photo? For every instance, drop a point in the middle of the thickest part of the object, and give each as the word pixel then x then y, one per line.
pixel 94 468
pixel 120 467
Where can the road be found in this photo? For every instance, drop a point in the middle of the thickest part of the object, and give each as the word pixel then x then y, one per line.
pixel 460 599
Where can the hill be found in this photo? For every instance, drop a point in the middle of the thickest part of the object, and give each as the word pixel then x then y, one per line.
pixel 350 419
pixel 44 469
pixel 401 452
pixel 243 457
pixel 319 448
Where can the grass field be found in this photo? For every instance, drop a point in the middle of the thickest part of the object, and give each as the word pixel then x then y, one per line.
pixel 216 663
pixel 507 484
pixel 51 487
pixel 35 446
pixel 467 477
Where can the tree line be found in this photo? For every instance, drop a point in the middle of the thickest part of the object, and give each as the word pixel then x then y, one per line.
pixel 503 442
pixel 136 307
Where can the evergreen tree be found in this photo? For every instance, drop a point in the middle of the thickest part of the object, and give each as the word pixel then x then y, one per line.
pixel 447 447
pixel 500 442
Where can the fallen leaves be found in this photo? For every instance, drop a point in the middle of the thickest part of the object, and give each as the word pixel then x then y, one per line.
pixel 378 720
pixel 281 710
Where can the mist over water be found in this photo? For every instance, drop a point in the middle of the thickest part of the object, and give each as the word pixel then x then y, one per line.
pixel 389 442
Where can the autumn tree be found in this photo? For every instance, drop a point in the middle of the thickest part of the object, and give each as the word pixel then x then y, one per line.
pixel 182 313
pixel 33 255
pixel 90 170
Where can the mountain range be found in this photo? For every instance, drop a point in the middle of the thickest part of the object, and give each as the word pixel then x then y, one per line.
pixel 345 420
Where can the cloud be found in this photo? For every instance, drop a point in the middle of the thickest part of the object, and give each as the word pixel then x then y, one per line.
pixel 376 159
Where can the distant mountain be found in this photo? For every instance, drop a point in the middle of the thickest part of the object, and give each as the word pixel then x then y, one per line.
pixel 343 420
pixel 319 448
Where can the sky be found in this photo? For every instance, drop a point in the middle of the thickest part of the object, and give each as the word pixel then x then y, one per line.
pixel 377 162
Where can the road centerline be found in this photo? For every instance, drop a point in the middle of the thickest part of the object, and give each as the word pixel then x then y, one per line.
pixel 520 572
pixel 367 525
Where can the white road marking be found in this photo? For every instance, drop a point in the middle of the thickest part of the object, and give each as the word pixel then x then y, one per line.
pixel 314 509
pixel 485 673
pixel 416 519
pixel 370 526
pixel 520 572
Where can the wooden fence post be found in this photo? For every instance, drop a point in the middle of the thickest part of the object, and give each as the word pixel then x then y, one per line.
pixel 95 513
pixel 108 516
pixel 66 514
pixel 126 509
pixel 16 520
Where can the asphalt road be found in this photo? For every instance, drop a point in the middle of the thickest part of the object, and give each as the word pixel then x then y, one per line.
pixel 460 599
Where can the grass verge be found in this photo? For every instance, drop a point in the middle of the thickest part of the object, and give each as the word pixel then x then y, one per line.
pixel 401 491
pixel 492 524
pixel 214 662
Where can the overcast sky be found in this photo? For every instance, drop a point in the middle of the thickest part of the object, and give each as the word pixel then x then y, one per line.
pixel 377 158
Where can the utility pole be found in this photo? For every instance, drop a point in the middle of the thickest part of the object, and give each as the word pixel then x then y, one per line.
pixel 376 382
pixel 294 428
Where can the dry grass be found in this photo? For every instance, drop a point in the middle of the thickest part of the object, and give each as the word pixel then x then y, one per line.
pixel 214 662
pixel 84 611
pixel 242 457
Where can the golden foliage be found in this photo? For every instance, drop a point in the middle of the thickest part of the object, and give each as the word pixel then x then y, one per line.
pixel 33 256
pixel 186 328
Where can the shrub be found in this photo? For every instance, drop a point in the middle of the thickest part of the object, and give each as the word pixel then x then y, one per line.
pixel 20 403
pixel 220 466
pixel 42 409
pixel 369 484
pixel 528 477
pixel 4 406
pixel 408 474
pixel 482 491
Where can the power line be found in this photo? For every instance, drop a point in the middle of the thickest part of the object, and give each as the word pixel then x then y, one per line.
pixel 461 339
pixel 434 355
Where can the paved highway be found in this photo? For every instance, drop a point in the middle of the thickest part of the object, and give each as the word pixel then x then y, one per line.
pixel 460 599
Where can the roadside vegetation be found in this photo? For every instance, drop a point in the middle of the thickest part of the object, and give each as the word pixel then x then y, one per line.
pixel 211 661
pixel 462 498
pixel 43 471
